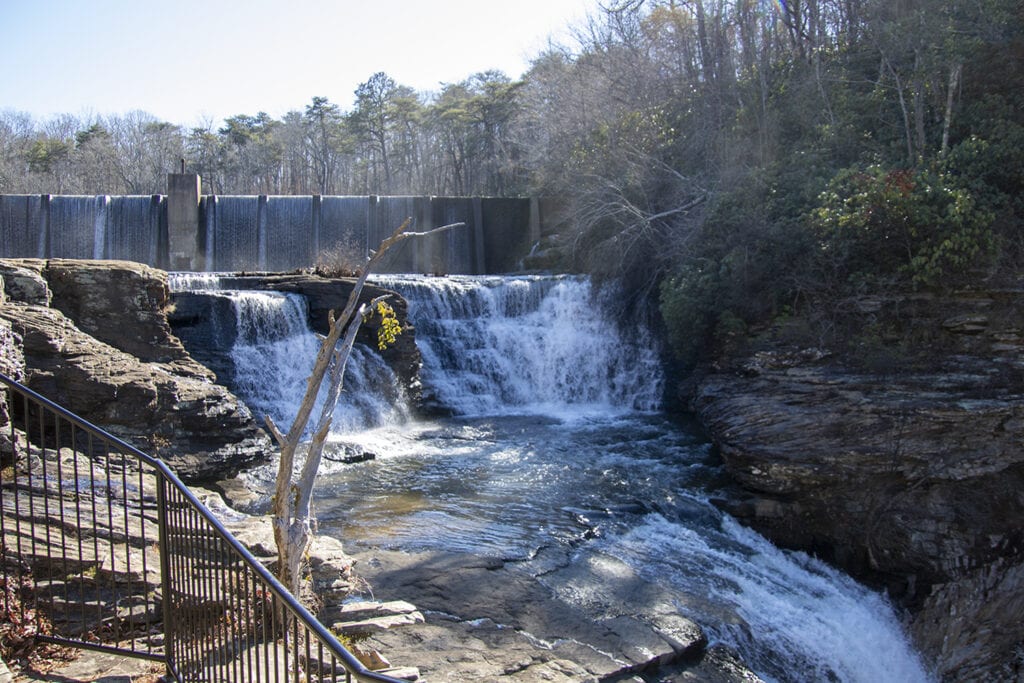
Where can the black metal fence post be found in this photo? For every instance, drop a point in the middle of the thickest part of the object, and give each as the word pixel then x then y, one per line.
pixel 166 607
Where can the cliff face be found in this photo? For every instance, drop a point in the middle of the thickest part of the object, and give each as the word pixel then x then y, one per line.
pixel 94 338
pixel 909 479
pixel 12 364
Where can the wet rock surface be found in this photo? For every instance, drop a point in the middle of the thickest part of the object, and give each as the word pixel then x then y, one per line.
pixel 103 349
pixel 12 364
pixel 910 479
pixel 572 617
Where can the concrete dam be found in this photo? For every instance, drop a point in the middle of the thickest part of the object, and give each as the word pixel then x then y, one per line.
pixel 186 230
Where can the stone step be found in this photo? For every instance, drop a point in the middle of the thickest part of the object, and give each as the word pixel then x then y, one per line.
pixel 376 624
pixel 365 609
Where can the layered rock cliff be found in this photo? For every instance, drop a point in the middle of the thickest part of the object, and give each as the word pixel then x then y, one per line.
pixel 94 338
pixel 905 469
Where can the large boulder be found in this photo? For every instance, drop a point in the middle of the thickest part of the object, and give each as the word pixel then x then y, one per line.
pixel 124 305
pixel 205 323
pixel 23 282
pixel 912 480
pixel 102 351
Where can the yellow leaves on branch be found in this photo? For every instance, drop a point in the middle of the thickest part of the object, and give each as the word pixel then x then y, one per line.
pixel 389 328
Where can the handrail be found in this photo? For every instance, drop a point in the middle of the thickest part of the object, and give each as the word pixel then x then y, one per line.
pixel 168 483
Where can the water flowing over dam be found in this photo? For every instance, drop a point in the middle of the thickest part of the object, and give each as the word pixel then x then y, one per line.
pixel 557 454
pixel 275 233
pixel 131 228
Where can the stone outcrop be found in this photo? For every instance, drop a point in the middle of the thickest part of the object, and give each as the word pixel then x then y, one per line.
pixel 911 479
pixel 12 364
pixel 95 340
pixel 488 619
pixel 199 319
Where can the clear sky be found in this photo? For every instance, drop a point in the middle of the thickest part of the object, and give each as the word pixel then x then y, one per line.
pixel 188 60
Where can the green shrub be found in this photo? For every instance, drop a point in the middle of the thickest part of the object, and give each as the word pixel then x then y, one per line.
pixel 876 223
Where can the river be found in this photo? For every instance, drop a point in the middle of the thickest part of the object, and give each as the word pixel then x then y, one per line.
pixel 556 451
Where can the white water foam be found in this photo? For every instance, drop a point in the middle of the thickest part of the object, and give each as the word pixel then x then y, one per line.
pixel 542 345
pixel 184 281
pixel 274 353
pixel 798 618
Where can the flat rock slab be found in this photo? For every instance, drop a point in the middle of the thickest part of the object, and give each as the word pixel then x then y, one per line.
pixel 590 619
pixel 374 624
pixel 445 648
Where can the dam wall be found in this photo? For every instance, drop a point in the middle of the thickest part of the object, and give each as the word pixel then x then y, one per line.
pixel 186 230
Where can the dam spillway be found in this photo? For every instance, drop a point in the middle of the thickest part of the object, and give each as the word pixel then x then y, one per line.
pixel 275 233
pixel 129 227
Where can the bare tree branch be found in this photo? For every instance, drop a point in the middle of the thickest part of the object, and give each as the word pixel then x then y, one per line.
pixel 291 503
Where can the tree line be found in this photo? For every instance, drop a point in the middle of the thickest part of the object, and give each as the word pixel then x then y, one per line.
pixel 729 160
pixel 393 140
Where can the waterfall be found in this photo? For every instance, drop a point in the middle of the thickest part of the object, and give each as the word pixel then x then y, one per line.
pixel 128 227
pixel 490 345
pixel 184 281
pixel 285 237
pixel 500 345
pixel 624 488
pixel 76 226
pixel 275 232
pixel 132 227
pixel 272 351
pixel 343 230
pixel 274 354
pixel 22 226
pixel 791 615
pixel 232 234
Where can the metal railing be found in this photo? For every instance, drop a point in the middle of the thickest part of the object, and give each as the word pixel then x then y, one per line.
pixel 103 547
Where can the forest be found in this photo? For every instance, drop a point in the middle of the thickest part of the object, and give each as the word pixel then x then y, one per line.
pixel 730 161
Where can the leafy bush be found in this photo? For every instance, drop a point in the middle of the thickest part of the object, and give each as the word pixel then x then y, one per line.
pixel 744 269
pixel 875 223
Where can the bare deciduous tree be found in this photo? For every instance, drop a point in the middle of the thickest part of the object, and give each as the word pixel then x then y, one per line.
pixel 293 491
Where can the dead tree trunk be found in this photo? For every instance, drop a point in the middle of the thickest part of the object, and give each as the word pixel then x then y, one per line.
pixel 293 491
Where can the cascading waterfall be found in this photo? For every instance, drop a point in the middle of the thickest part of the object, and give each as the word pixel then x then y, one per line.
pixel 193 282
pixel 558 451
pixel 274 351
pixel 537 344
pixel 793 616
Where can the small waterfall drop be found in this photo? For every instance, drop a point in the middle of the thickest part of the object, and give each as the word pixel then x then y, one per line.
pixel 193 282
pixel 273 352
pixel 793 616
pixel 505 345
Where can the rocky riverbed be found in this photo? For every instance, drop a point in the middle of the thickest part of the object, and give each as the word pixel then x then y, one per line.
pixel 487 619
pixel 909 478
